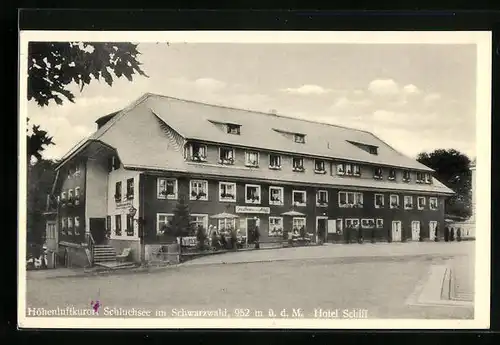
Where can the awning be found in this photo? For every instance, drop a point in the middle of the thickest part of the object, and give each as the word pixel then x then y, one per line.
pixel 224 215
pixel 293 213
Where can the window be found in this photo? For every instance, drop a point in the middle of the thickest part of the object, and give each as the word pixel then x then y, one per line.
pixel 77 170
pixel 198 190
pixel 341 169
pixel 299 197
pixel 322 198
pixel 408 202
pixel 380 223
pixel 348 169
pixel 274 161
pixel 373 150
pixel 379 200
pixel 70 195
pixel 352 223
pixel 196 152
pixel 70 172
pixel 118 225
pixel 276 195
pixel 350 199
pixel 114 163
pixel 319 166
pixel 300 138
pixel 77 222
pixel 394 201
pixel 367 223
pixel 162 221
pixel 199 220
pixel 377 173
pixel 130 225
pixel 130 188
pixel 392 175
pixel 298 224
pixel 356 171
pixel 226 155
pixel 64 225
pixel 428 178
pixel 252 159
pixel 226 224
pixel 298 164
pixel 433 204
pixel 406 176
pixel 77 195
pixel 118 191
pixel 421 202
pixel 227 191
pixel 339 226
pixel 70 225
pixel 252 194
pixel 275 227
pixel 108 223
pixel 166 188
pixel 420 178
pixel 233 129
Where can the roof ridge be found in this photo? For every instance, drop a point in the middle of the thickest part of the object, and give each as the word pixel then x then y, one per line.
pixel 258 112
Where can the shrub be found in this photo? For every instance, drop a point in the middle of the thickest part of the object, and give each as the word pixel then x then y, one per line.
pixel 201 237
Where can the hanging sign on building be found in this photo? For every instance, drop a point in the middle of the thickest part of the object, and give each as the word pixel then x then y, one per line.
pixel 252 209
pixel 123 205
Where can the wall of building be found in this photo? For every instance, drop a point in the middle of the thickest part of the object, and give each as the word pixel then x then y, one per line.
pixel 153 206
pixel 96 191
pixel 121 208
pixel 70 180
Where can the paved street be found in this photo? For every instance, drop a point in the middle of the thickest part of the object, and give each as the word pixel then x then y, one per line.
pixel 308 279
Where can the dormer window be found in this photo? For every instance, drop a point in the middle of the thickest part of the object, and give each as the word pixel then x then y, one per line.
pixel 340 169
pixel 377 174
pixel 392 175
pixel 299 138
pixel 196 152
pixel 420 177
pixel 274 162
pixel 428 178
pixel 114 163
pixel 251 159
pixel 406 176
pixel 226 155
pixel 319 166
pixel 233 128
pixel 373 150
pixel 298 164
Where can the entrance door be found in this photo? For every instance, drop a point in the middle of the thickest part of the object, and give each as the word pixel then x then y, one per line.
pixel 98 229
pixel 321 228
pixel 415 230
pixel 396 231
pixel 432 230
pixel 50 235
pixel 251 225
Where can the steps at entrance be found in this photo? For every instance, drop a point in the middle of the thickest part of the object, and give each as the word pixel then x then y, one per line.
pixel 104 253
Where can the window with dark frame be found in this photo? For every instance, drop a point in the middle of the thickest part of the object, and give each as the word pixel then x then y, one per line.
pixel 118 225
pixel 130 225
pixel 299 138
pixel 392 174
pixel 319 166
pixel 130 188
pixel 274 161
pixel 298 164
pixel 118 191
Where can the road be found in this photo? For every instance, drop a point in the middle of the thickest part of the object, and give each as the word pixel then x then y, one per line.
pixel 378 285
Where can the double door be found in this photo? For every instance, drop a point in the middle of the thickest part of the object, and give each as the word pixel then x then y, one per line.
pixel 396 231
pixel 415 230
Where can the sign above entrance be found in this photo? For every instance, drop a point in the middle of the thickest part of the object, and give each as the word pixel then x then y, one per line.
pixel 124 205
pixel 252 209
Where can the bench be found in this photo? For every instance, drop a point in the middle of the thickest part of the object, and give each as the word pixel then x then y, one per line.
pixel 124 255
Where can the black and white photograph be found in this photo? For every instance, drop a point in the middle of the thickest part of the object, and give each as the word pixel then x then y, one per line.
pixel 254 180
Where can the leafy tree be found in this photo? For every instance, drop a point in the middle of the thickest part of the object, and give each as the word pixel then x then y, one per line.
pixel 40 178
pixel 452 169
pixel 180 225
pixel 54 66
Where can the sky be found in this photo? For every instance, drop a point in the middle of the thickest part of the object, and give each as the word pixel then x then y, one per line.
pixel 416 97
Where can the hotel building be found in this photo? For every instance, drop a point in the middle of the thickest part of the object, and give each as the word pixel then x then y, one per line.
pixel 274 172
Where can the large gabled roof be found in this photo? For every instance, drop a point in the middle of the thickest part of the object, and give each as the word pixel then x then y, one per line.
pixel 196 120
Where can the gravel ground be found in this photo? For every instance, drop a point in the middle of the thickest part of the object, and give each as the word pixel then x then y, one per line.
pixel 380 287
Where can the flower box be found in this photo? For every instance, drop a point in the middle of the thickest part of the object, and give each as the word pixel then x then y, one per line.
pixel 391 178
pixel 319 171
pixel 275 167
pixel 130 196
pixel 118 198
pixel 299 169
pixel 198 158
pixel 394 205
pixel 322 204
pixel 227 161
